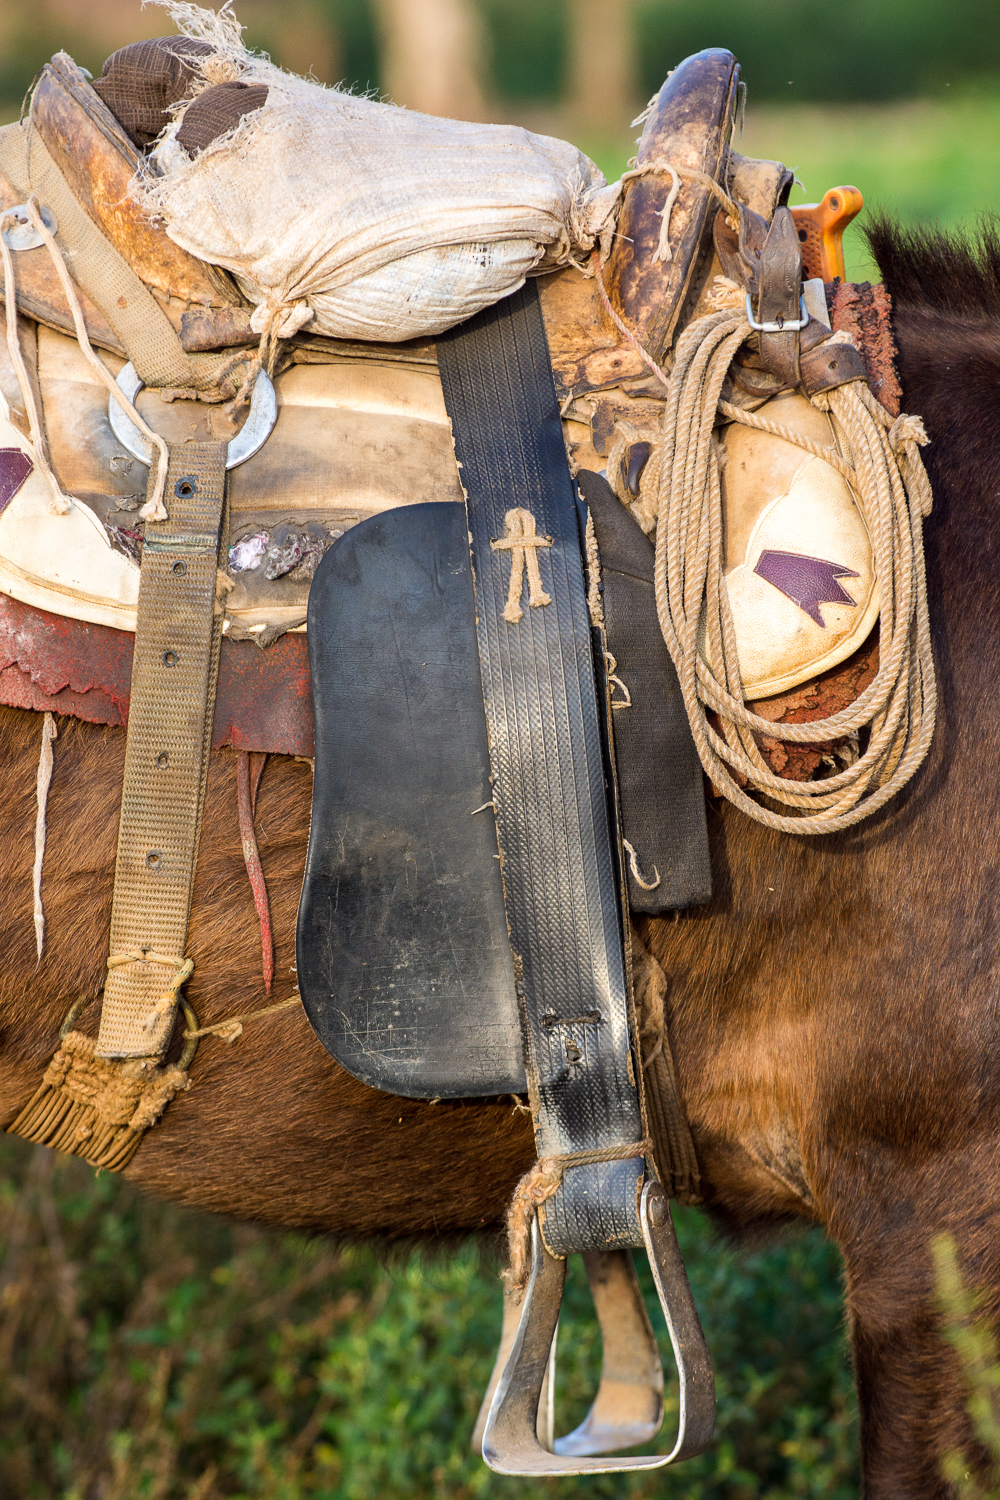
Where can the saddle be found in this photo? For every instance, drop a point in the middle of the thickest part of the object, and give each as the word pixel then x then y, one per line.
pixel 379 408
pixel 484 865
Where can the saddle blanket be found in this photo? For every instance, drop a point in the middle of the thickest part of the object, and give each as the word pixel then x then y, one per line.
pixel 54 664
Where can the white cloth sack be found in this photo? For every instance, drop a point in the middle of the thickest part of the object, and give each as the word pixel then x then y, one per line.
pixel 364 220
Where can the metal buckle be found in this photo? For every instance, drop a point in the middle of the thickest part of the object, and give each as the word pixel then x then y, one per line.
pixel 628 1407
pixel 779 326
pixel 252 435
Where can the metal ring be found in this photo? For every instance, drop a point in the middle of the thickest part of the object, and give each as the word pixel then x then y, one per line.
pixel 252 435
pixel 75 1010
pixel 190 1024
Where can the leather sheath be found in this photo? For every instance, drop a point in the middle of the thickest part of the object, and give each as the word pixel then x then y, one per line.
pixel 661 786
pixel 779 294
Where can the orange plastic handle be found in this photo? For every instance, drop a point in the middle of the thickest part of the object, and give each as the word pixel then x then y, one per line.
pixel 821 228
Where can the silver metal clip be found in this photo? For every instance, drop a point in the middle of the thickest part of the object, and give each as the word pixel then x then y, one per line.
pixel 779 326
pixel 628 1407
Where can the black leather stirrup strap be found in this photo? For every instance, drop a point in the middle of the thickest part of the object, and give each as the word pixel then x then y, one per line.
pixel 559 868
pixel 559 858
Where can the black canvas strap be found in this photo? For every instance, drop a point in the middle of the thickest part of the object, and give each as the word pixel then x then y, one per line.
pixel 661 786
pixel 557 843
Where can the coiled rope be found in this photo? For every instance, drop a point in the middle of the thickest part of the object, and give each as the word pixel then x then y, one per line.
pixel 882 464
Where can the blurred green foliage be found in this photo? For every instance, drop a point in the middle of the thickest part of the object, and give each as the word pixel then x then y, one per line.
pixel 857 49
pixel 527 48
pixel 147 1351
pixel 793 50
pixel 965 1316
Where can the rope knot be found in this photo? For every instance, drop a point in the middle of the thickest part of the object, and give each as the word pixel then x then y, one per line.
pixel 522 542
pixel 540 1183
pixel 907 431
pixel 277 319
pixel 183 969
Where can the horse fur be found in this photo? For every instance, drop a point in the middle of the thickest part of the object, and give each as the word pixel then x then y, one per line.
pixel 833 1012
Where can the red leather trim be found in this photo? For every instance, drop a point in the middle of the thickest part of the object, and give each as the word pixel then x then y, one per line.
pixel 50 663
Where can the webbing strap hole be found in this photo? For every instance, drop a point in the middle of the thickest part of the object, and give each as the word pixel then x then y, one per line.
pixel 162 761
pixel 170 658
pixel 154 860
pixel 180 568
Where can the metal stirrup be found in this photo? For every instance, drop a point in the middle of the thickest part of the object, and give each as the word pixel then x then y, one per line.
pixel 510 1442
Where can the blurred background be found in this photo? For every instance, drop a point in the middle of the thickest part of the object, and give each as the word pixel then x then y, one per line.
pixel 147 1351
pixel 899 97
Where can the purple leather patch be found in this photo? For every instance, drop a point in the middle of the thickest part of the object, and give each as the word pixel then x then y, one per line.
pixel 807 581
pixel 15 467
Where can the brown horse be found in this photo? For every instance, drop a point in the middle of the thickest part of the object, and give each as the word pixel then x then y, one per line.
pixel 832 1011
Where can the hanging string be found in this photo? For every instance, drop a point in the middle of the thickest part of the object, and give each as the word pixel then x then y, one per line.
pixel 59 503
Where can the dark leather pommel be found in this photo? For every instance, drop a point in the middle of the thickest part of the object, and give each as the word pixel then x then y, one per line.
pixel 689 125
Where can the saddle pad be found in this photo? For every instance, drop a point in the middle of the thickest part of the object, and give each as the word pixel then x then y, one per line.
pixel 356 437
pixel 404 964
pixel 352 438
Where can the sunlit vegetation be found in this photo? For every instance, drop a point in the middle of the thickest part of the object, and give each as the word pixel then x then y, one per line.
pixel 146 1351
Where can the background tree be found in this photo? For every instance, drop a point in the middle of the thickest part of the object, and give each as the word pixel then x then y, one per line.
pixel 602 82
pixel 432 56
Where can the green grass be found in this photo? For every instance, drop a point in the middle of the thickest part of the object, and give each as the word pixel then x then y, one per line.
pixel 146 1351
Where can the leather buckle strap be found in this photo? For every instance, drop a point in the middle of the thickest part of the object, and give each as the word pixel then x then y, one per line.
pixel 553 823
pixel 780 310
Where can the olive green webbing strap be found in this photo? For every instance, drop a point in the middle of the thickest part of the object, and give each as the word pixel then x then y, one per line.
pixel 177 640
pixel 136 318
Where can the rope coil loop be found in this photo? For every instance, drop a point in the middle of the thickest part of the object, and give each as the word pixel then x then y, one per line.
pixel 893 494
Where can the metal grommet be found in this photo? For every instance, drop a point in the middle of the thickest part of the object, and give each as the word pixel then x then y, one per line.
pixel 186 487
pixel 21 234
pixel 162 761
pixel 180 568
pixel 170 658
pixel 154 860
